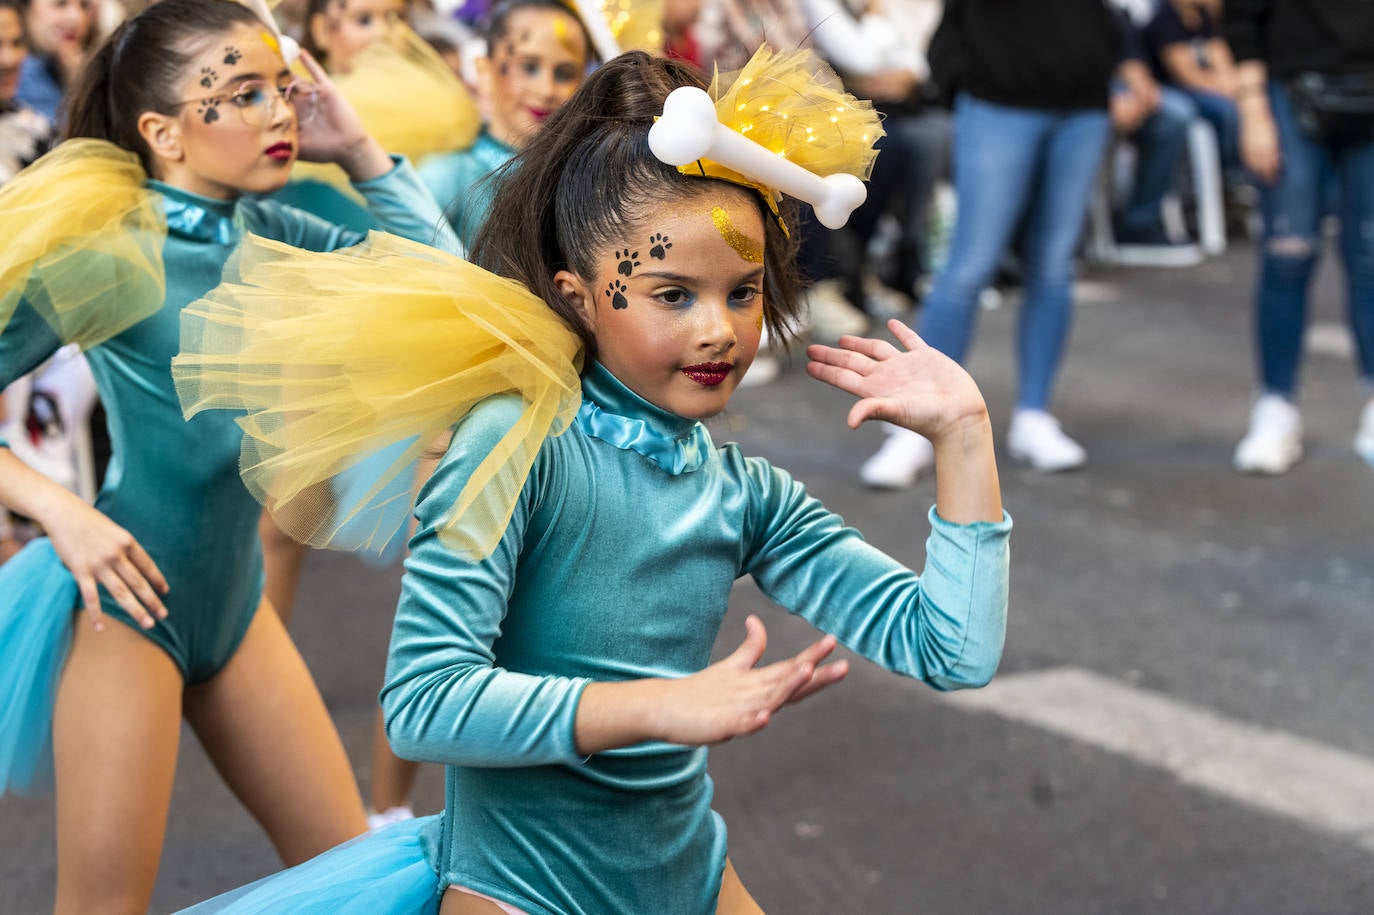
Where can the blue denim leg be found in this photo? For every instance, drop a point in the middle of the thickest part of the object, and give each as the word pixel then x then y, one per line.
pixel 1222 114
pixel 1161 143
pixel 1068 172
pixel 1292 210
pixel 996 152
pixel 1355 165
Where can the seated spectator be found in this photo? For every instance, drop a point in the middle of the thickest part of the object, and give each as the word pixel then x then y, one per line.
pixel 1155 119
pixel 1186 50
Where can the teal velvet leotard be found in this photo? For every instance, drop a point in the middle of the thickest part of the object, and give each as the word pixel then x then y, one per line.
pixel 463 182
pixel 174 485
pixel 618 564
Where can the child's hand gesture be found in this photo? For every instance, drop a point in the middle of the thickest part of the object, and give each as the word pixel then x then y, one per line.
pixel 98 551
pixel 921 388
pixel 928 393
pixel 336 133
pixel 733 697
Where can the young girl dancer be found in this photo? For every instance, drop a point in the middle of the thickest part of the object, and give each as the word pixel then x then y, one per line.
pixel 537 54
pixel 185 109
pixel 564 590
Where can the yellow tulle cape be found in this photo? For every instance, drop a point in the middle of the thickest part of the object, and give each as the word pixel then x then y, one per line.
pixel 793 104
pixel 369 354
pixel 81 239
pixel 408 99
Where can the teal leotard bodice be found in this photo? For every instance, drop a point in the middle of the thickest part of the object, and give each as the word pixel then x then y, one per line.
pixel 463 182
pixel 174 485
pixel 618 564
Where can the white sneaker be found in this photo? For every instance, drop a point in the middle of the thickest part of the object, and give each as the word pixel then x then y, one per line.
pixel 1035 437
pixel 389 816
pixel 900 462
pixel 1364 438
pixel 1273 443
pixel 830 314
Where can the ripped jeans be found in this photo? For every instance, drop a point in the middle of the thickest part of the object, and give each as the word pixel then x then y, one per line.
pixel 1315 179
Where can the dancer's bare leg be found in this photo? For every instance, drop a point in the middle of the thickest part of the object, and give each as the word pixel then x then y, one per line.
pixel 116 732
pixel 266 728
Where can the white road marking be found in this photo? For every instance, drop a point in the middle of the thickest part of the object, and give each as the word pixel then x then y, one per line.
pixel 1320 786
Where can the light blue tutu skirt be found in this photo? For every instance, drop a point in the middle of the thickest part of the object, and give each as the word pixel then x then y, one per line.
pixel 387 872
pixel 37 597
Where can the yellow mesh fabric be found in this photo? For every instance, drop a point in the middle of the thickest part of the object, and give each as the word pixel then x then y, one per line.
pixel 81 238
pixel 370 354
pixel 636 24
pixel 794 105
pixel 408 99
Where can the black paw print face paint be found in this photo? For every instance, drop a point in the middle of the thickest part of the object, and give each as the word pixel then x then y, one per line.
pixel 616 291
pixel 208 77
pixel 661 244
pixel 231 56
pixel 629 260
pixel 209 110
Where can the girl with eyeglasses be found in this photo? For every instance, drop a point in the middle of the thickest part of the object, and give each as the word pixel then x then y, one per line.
pixel 182 119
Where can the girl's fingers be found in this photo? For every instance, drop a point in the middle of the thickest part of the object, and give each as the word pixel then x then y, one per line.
pixel 312 66
pixel 143 591
pixel 90 600
pixel 827 675
pixel 872 408
pixel 845 379
pixel 755 641
pixel 148 568
pixel 124 597
pixel 905 335
pixel 870 346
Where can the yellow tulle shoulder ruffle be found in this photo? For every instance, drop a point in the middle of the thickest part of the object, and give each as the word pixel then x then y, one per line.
pixel 408 99
pixel 81 239
pixel 370 354
pixel 793 104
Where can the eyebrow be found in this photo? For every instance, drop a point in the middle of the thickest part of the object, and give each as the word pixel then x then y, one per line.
pixel 239 78
pixel 683 278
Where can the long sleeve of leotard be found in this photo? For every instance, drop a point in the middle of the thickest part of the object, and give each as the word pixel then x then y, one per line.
pixel 946 626
pixel 26 342
pixel 444 699
pixel 397 200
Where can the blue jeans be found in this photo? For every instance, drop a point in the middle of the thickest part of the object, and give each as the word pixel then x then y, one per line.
pixel 1161 144
pixel 1014 167
pixel 1222 114
pixel 1292 209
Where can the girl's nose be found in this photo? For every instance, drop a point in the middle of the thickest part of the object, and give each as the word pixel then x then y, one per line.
pixel 717 331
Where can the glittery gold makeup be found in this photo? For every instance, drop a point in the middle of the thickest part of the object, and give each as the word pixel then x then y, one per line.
pixel 271 41
pixel 747 248
pixel 563 34
pixel 758 322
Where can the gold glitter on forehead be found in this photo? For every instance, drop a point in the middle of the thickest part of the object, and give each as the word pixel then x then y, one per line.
pixel 747 248
pixel 564 34
pixel 271 41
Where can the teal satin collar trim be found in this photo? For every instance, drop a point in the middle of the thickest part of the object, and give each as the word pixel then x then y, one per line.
pixel 618 416
pixel 200 218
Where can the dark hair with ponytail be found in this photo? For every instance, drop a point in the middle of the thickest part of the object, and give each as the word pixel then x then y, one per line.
pixel 141 67
pixel 587 179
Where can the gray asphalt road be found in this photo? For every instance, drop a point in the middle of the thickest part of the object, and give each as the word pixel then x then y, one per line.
pixel 1156 568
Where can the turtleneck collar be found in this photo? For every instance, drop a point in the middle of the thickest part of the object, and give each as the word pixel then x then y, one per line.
pixel 199 218
pixel 618 416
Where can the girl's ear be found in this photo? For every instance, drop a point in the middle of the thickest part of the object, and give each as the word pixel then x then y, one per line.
pixel 162 133
pixel 576 293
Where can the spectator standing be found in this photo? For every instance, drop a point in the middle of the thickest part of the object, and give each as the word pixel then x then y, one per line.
pixel 1030 130
pixel 1305 89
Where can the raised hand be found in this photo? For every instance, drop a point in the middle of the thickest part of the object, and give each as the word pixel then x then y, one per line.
pixel 336 133
pixel 919 387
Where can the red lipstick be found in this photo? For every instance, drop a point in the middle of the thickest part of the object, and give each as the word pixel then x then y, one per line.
pixel 708 374
pixel 280 151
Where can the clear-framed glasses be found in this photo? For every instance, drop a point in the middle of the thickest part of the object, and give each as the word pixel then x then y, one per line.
pixel 256 101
